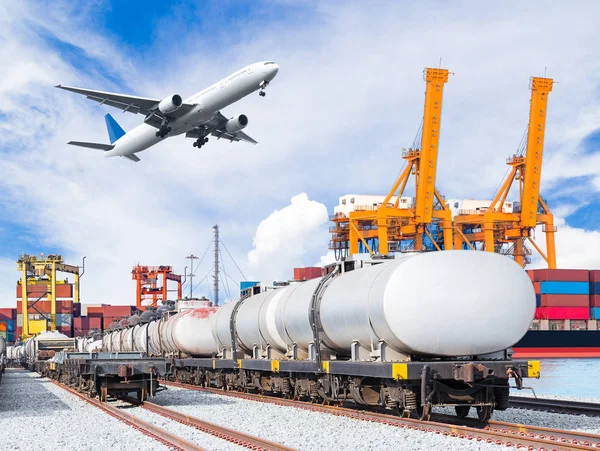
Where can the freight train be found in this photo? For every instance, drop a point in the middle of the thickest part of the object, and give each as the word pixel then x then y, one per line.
pixel 407 334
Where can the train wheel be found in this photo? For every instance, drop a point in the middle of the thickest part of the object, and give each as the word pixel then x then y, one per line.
pixel 424 412
pixel 462 411
pixel 103 393
pixel 142 394
pixel 484 412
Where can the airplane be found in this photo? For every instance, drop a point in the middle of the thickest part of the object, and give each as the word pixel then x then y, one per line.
pixel 198 117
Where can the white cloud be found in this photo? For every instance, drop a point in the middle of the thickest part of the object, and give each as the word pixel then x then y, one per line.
pixel 576 248
pixel 287 237
pixel 348 97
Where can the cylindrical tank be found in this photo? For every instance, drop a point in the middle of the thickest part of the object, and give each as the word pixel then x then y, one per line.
pixel 189 331
pixel 451 303
pixel 140 337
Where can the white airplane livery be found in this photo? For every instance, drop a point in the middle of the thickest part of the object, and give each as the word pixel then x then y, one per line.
pixel 197 117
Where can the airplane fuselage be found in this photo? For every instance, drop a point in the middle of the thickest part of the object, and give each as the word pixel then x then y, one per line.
pixel 207 103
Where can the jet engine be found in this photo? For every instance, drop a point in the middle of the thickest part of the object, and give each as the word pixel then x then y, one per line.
pixel 170 104
pixel 237 123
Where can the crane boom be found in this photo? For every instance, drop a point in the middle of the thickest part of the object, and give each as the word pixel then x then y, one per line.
pixel 540 87
pixel 432 116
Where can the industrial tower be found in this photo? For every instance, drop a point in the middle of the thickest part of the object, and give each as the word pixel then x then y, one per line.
pixel 36 270
pixel 147 279
pixel 498 230
pixel 427 223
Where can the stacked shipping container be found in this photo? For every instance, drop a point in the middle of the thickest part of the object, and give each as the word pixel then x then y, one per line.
pixel 7 323
pixel 595 294
pixel 561 293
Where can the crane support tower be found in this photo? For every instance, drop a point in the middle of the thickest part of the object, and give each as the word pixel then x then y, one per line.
pixel 499 230
pixel 36 270
pixel 394 228
pixel 147 284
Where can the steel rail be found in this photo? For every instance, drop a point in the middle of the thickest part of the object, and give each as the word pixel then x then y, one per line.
pixel 495 432
pixel 237 437
pixel 158 434
pixel 556 405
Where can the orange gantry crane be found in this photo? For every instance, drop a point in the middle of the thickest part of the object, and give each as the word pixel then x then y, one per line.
pixel 147 288
pixel 429 219
pixel 500 230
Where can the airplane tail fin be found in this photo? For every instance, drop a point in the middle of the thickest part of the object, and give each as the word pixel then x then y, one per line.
pixel 114 130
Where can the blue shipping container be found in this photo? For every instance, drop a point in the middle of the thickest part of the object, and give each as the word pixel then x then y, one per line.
pixel 595 313
pixel 553 287
pixel 594 288
pixel 538 300
pixel 247 284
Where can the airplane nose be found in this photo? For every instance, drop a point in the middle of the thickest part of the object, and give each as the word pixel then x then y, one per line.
pixel 272 71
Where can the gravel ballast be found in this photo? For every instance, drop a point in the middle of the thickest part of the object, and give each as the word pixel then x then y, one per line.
pixel 37 415
pixel 303 429
pixel 189 433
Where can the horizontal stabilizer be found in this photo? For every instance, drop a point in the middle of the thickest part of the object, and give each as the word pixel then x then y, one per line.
pixel 98 146
pixel 132 157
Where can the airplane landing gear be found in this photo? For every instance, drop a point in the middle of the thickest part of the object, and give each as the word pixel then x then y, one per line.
pixel 263 85
pixel 163 131
pixel 200 142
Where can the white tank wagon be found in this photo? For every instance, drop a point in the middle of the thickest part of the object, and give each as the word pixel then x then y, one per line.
pixel 43 347
pixel 421 330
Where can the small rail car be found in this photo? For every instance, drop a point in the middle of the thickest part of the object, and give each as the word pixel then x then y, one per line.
pixel 106 374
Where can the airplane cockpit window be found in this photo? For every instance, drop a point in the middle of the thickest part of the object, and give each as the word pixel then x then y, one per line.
pixel 269 62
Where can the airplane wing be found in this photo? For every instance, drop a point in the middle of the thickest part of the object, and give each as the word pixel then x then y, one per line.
pixel 131 104
pixel 216 127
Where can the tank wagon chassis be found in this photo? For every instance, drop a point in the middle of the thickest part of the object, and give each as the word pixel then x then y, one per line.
pixel 103 374
pixel 410 388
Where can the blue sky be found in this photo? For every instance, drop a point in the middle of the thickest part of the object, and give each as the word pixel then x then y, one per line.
pixel 347 99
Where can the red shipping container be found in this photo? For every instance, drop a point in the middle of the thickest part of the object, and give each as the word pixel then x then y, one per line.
pixel 537 287
pixel 95 323
pixel 530 273
pixel 35 291
pixel 565 300
pixel 124 311
pixel 81 323
pixel 312 273
pixel 562 313
pixel 561 275
pixel 595 275
pixel 8 314
pixel 95 311
pixel 299 274
pixel 595 300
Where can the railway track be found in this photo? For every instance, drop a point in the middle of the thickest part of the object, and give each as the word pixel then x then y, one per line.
pixel 495 432
pixel 158 434
pixel 230 435
pixel 556 405
pixel 173 441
